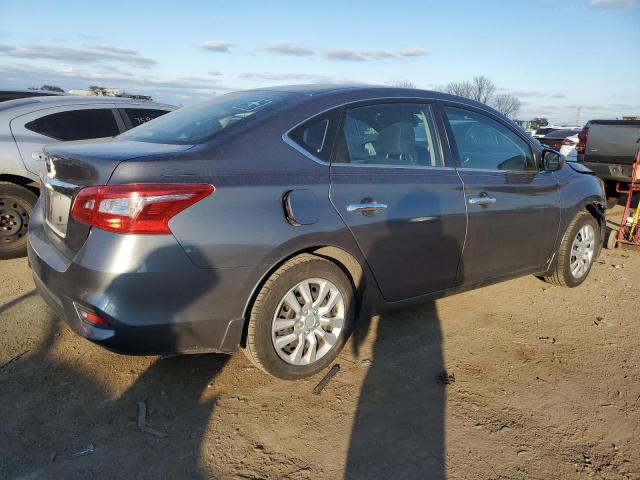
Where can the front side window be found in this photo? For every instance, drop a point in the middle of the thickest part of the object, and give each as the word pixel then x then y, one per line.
pixel 485 144
pixel 394 134
pixel 200 123
pixel 76 124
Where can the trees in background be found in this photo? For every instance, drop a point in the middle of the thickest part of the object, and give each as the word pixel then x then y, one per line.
pixel 51 88
pixel 506 104
pixel 482 89
pixel 404 84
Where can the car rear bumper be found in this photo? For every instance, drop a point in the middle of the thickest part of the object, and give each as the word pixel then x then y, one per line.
pixel 611 171
pixel 155 299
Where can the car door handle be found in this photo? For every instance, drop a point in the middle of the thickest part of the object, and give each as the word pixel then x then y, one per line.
pixel 482 201
pixel 367 209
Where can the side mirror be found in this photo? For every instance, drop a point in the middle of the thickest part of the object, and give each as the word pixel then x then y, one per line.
pixel 552 160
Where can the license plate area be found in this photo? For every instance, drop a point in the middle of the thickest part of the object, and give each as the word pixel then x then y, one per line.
pixel 57 207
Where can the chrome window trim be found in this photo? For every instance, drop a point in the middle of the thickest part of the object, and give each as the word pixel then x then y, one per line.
pixel 493 170
pixel 289 141
pixel 402 167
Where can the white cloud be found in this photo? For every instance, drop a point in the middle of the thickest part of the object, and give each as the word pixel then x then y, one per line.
pixel 413 52
pixel 344 54
pixel 24 75
pixel 216 46
pixel 613 3
pixel 88 54
pixel 361 56
pixel 289 49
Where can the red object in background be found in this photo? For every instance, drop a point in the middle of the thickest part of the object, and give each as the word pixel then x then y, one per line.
pixel 629 232
pixel 582 140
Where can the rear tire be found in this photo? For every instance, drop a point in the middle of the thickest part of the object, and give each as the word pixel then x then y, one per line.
pixel 16 206
pixel 613 197
pixel 318 327
pixel 578 250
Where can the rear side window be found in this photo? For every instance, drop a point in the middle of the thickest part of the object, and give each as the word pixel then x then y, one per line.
pixel 314 136
pixel 486 144
pixel 138 116
pixel 76 124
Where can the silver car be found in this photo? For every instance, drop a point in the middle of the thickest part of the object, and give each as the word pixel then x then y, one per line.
pixel 28 124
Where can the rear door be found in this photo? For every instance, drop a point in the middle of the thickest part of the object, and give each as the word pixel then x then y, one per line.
pixel 34 130
pixel 513 208
pixel 402 202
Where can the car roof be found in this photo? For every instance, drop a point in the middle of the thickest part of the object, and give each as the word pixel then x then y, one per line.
pixel 26 105
pixel 356 92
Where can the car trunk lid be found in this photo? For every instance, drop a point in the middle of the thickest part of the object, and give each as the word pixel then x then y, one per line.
pixel 71 166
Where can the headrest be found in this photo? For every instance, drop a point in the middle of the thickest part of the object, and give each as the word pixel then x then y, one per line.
pixel 397 139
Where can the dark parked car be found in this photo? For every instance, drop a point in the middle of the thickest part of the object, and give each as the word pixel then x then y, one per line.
pixel 270 219
pixel 555 138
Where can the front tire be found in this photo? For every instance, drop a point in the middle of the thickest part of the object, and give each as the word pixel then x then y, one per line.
pixel 301 318
pixel 16 206
pixel 578 250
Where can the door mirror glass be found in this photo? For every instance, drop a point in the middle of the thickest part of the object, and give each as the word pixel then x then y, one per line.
pixel 552 160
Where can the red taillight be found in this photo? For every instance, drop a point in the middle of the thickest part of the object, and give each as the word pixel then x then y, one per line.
pixel 582 140
pixel 568 142
pixel 136 208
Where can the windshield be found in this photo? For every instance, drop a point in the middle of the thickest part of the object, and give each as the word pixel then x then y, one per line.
pixel 199 123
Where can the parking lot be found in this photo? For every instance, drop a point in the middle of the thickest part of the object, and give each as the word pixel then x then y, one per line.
pixel 517 380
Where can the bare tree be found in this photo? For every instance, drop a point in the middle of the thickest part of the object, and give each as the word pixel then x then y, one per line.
pixel 462 89
pixel 404 84
pixel 51 88
pixel 508 105
pixel 483 89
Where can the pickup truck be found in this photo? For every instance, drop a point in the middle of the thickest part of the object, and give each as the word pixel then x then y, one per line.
pixel 608 148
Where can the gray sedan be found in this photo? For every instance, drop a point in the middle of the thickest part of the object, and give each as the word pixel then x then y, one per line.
pixel 271 219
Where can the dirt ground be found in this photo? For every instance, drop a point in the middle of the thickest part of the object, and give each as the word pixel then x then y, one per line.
pixel 516 380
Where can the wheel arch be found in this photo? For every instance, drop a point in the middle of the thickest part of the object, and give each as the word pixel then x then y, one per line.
pixel 21 181
pixel 339 256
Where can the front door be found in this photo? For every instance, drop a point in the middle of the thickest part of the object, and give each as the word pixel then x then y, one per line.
pixel 513 207
pixel 403 204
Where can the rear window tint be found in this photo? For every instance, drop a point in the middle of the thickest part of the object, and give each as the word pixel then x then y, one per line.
pixel 313 137
pixel 76 124
pixel 562 133
pixel 138 116
pixel 200 123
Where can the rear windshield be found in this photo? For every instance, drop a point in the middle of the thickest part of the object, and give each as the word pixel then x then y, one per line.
pixel 200 123
pixel 562 133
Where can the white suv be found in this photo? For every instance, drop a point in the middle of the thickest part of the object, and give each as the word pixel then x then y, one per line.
pixel 28 124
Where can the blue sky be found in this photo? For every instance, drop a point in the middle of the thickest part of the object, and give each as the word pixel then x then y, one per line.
pixel 555 55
